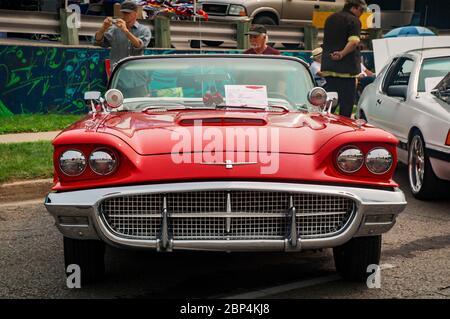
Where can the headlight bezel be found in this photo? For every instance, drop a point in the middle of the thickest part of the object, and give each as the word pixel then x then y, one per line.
pixel 72 150
pixel 109 151
pixel 346 148
pixel 378 148
pixel 241 8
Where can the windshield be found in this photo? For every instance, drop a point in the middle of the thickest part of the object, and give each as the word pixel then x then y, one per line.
pixel 197 82
pixel 432 72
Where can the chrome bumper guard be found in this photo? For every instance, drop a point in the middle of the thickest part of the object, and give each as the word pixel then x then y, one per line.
pixel 77 216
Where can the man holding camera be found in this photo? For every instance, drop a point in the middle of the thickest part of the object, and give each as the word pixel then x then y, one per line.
pixel 126 36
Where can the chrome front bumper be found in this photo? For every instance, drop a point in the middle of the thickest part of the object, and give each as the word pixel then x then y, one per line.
pixel 77 215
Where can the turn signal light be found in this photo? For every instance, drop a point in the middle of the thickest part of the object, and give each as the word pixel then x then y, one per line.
pixel 447 141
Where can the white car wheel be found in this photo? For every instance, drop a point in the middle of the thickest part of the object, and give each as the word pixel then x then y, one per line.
pixel 416 164
pixel 423 182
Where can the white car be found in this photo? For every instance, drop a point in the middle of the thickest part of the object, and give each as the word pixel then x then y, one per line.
pixel 404 101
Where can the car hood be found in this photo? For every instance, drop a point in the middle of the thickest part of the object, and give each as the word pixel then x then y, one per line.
pixel 160 133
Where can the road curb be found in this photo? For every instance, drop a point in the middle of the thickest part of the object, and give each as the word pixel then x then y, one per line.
pixel 25 190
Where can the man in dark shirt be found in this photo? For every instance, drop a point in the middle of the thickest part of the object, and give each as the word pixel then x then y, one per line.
pixel 341 59
pixel 258 41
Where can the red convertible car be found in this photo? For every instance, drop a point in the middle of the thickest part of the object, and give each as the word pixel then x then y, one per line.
pixel 221 153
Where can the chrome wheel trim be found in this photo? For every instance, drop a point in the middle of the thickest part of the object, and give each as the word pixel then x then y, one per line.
pixel 416 164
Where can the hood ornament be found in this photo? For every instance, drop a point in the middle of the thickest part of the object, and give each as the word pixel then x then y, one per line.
pixel 228 163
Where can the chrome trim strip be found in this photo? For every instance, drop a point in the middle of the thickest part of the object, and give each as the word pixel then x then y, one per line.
pixel 227 215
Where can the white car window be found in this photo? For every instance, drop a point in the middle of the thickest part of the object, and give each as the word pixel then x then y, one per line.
pixel 399 73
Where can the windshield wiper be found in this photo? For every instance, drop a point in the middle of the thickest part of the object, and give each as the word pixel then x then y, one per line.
pixel 284 108
pixel 244 106
pixel 166 106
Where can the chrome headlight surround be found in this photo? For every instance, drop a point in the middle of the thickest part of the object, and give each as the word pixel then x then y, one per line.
pixel 350 159
pixel 103 161
pixel 379 160
pixel 72 162
pixel 236 9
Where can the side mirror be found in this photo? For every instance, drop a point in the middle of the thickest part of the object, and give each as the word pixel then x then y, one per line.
pixel 114 98
pixel 92 95
pixel 398 91
pixel 317 97
pixel 333 97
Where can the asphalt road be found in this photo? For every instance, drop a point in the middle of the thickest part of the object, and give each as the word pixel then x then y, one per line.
pixel 415 264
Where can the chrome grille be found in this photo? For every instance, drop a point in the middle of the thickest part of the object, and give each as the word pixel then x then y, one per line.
pixel 259 202
pixel 208 215
pixel 198 228
pixel 204 228
pixel 132 215
pixel 259 227
pixel 319 215
pixel 215 9
pixel 197 202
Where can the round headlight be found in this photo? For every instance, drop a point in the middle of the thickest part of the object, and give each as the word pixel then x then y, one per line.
pixel 102 162
pixel 379 161
pixel 350 159
pixel 72 162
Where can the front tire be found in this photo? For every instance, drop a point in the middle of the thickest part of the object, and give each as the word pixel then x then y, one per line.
pixel 353 258
pixel 88 255
pixel 424 184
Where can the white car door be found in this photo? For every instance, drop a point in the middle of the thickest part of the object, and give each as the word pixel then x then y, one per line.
pixel 391 110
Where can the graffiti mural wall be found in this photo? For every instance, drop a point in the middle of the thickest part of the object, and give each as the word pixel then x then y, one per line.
pixel 37 79
pixel 42 79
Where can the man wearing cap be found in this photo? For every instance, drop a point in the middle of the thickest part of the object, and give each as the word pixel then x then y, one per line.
pixel 258 41
pixel 125 36
pixel 341 59
pixel 316 67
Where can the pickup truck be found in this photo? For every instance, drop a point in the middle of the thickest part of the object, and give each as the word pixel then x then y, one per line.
pixel 267 12
pixel 394 13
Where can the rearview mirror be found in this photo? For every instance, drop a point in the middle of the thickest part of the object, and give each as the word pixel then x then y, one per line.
pixel 398 91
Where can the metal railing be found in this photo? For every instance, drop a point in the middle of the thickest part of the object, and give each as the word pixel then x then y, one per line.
pixel 212 31
pixel 29 22
pixel 50 23
pixel 33 22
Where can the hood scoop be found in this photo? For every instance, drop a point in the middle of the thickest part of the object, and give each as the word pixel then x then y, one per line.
pixel 222 120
